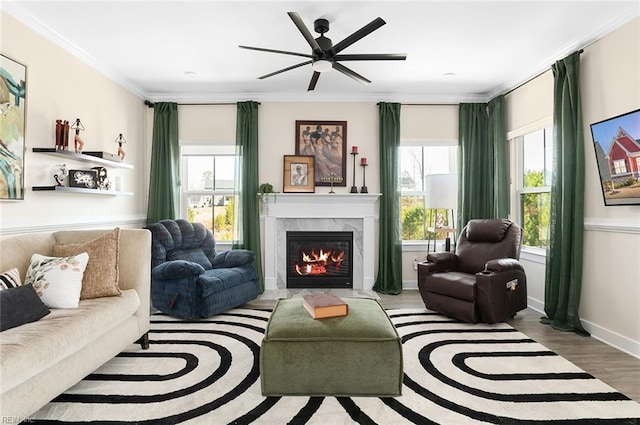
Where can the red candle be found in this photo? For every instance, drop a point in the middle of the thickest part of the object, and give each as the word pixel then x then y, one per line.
pixel 354 149
pixel 363 161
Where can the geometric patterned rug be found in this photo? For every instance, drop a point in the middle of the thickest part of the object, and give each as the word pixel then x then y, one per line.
pixel 206 372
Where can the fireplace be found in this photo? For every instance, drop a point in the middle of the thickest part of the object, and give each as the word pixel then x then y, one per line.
pixel 319 259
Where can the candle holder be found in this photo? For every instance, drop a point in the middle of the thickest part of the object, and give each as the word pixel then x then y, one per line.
pixel 332 179
pixel 364 189
pixel 354 189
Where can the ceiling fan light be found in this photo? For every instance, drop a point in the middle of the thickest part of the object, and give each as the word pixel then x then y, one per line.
pixel 322 65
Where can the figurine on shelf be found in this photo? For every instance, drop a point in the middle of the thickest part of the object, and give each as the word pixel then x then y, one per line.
pixel 120 140
pixel 78 143
pixel 62 134
pixel 60 174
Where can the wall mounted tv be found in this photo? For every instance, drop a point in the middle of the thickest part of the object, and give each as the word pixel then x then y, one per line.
pixel 617 144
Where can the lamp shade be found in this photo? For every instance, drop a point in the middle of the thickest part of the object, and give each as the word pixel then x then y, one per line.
pixel 441 191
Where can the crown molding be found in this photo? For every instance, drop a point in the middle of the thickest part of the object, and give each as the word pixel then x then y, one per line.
pixel 17 12
pixel 313 97
pixel 581 43
pixel 14 9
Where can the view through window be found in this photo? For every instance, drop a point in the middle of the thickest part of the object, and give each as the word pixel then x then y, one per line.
pixel 416 162
pixel 533 189
pixel 208 177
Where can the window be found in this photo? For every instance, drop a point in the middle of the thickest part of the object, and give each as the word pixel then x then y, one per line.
pixel 416 162
pixel 533 167
pixel 208 178
pixel 620 166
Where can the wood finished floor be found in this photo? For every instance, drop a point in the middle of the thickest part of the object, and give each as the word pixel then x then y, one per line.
pixel 619 370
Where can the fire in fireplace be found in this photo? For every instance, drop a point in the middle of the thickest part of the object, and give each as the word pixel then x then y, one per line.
pixel 319 260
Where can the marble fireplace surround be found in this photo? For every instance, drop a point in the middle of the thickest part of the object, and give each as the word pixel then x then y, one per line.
pixel 284 212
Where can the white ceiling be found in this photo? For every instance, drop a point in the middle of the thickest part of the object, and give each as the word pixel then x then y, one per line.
pixel 491 47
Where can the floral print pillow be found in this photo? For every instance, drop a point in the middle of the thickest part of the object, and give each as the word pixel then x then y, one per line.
pixel 57 280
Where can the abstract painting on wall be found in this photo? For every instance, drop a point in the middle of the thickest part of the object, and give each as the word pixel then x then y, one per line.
pixel 13 96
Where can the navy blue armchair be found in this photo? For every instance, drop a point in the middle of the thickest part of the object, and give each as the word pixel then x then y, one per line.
pixel 190 279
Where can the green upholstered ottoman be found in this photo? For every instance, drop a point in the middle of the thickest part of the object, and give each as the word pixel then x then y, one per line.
pixel 355 355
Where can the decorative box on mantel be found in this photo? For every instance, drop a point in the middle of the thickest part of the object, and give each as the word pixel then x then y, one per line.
pixel 319 212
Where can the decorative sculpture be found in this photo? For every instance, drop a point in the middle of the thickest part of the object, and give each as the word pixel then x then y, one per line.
pixel 78 143
pixel 60 174
pixel 120 140
pixel 62 134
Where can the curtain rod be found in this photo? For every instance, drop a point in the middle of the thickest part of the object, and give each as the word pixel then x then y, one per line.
pixel 430 104
pixel 150 104
pixel 533 78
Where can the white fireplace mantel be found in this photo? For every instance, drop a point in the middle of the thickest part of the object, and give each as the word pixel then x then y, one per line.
pixel 313 211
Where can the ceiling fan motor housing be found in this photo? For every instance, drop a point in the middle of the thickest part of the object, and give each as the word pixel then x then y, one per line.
pixel 321 25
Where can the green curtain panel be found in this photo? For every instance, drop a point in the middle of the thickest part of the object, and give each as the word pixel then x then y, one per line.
pixel 475 171
pixel 389 279
pixel 483 177
pixel 164 178
pixel 498 142
pixel 247 212
pixel 563 277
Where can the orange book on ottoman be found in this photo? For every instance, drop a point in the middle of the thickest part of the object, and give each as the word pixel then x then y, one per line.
pixel 324 305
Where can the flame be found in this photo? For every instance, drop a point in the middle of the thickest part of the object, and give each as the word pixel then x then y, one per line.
pixel 338 258
pixel 315 263
pixel 304 270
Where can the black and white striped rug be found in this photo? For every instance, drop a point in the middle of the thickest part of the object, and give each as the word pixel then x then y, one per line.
pixel 207 372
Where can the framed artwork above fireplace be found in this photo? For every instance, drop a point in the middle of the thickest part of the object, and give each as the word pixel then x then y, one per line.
pixel 299 174
pixel 327 142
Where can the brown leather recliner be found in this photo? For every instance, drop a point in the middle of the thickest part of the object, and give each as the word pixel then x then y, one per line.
pixel 483 281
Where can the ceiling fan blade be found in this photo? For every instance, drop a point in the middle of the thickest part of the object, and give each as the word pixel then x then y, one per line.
pixel 289 68
pixel 284 52
pixel 305 32
pixel 372 57
pixel 362 32
pixel 349 73
pixel 314 80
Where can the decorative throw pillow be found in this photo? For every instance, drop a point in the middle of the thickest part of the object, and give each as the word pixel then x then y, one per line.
pixel 20 305
pixel 10 279
pixel 57 280
pixel 102 274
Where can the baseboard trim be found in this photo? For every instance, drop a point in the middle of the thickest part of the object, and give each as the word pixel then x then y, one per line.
pixel 410 285
pixel 620 342
pixel 611 338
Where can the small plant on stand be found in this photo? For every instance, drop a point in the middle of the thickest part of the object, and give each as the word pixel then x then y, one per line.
pixel 263 190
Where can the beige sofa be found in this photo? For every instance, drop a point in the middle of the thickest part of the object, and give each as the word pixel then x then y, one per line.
pixel 40 360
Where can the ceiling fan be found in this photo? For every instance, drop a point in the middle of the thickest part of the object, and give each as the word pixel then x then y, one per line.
pixel 325 56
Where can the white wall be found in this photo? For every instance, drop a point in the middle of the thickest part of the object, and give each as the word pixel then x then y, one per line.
pixel 610 85
pixel 60 86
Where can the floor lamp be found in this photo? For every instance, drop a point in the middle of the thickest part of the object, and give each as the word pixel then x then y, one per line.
pixel 441 194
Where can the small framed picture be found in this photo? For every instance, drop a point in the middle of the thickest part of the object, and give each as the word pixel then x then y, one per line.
pixel 299 174
pixel 85 179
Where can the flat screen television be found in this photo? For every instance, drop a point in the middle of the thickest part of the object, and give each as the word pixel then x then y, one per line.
pixel 616 141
